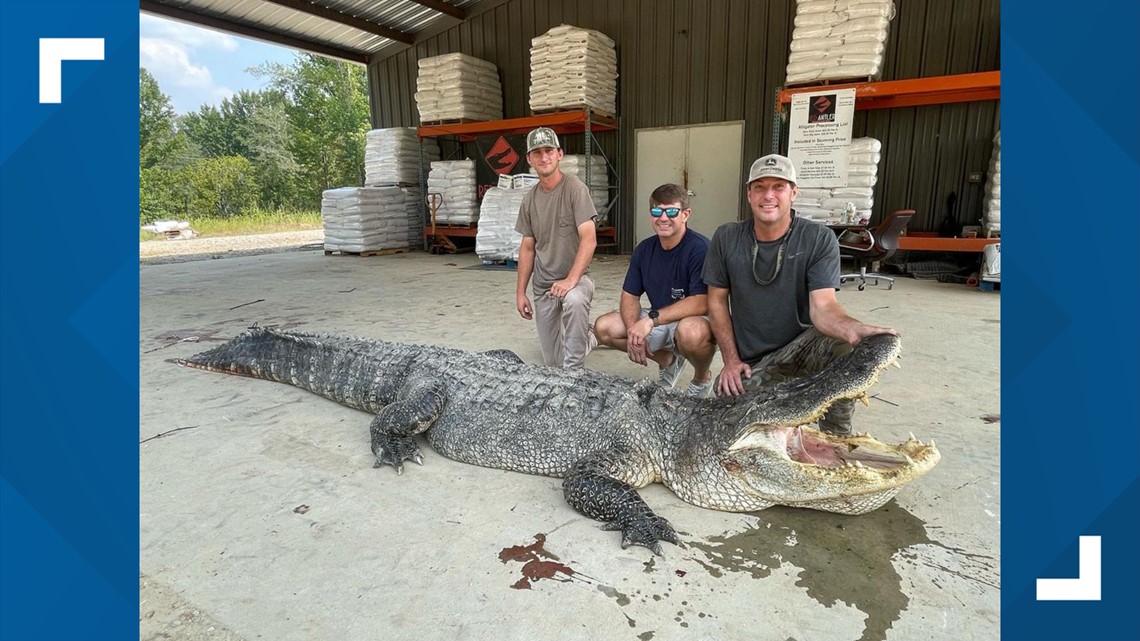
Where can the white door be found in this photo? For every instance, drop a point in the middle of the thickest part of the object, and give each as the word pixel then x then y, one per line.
pixel 706 159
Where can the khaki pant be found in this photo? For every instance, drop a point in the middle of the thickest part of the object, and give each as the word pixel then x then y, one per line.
pixel 564 325
pixel 808 353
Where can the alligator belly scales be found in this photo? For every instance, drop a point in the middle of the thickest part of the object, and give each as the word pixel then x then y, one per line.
pixel 605 436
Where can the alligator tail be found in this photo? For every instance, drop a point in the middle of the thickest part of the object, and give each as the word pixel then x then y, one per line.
pixel 330 366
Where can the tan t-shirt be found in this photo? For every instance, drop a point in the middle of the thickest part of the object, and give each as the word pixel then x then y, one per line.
pixel 552 218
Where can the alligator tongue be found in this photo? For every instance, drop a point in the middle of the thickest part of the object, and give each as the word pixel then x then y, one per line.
pixel 805 448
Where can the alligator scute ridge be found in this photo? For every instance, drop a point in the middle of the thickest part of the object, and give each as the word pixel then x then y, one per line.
pixel 604 435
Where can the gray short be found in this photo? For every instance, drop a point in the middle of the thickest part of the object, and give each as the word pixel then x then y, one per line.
pixel 662 336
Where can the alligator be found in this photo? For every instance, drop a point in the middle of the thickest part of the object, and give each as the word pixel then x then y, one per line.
pixel 604 435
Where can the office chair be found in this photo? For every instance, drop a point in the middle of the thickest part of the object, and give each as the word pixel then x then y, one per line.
pixel 877 243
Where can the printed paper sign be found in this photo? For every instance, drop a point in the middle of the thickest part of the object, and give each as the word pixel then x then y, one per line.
pixel 819 137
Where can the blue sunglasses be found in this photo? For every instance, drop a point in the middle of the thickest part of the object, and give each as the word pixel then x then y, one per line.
pixel 671 212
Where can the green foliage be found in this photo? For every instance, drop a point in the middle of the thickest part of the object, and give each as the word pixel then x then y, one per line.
pixel 268 150
pixel 258 221
pixel 221 187
pixel 326 102
pixel 254 221
pixel 156 121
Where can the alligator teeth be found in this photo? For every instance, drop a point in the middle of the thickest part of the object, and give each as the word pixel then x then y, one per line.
pixel 932 444
pixel 863 400
pixel 858 464
pixel 909 460
pixel 896 363
pixel 912 438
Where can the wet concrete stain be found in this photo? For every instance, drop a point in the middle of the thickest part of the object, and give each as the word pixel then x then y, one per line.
pixel 613 593
pixel 537 563
pixel 841 558
pixel 646 636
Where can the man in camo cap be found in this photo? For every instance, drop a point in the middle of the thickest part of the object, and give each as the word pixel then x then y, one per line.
pixel 557 223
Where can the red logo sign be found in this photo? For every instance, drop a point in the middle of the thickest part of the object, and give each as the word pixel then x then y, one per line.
pixel 502 157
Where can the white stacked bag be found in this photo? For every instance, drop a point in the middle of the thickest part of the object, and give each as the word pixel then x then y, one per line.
pixel 573 67
pixel 414 209
pixel 599 182
pixel 392 156
pixel 835 39
pixel 834 203
pixel 991 208
pixel 454 180
pixel 362 219
pixel 497 239
pixel 455 86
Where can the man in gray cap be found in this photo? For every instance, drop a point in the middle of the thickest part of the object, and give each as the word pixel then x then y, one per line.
pixel 780 274
pixel 557 223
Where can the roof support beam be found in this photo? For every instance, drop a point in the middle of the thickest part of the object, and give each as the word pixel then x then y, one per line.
pixel 221 24
pixel 443 7
pixel 343 18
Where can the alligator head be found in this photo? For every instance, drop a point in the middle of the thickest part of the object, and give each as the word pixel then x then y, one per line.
pixel 771 457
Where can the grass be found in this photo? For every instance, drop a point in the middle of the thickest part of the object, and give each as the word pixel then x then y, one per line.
pixel 255 222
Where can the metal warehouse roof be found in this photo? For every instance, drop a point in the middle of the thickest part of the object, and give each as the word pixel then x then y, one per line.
pixel 352 30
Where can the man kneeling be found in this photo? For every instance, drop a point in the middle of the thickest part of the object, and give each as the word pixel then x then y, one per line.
pixel 667 268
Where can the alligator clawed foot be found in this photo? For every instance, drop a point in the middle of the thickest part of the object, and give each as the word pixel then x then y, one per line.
pixel 647 531
pixel 394 450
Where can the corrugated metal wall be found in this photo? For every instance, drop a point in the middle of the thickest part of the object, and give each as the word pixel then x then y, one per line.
pixel 695 61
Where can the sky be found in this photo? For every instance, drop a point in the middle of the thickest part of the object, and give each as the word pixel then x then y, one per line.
pixel 197 66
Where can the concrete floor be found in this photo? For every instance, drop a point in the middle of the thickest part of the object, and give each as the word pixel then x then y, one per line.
pixel 266 520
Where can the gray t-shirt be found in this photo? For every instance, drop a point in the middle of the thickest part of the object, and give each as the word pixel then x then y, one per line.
pixel 767 317
pixel 552 218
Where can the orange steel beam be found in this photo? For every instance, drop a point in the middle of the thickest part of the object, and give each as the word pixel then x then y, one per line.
pixel 561 122
pixel 935 90
pixel 929 243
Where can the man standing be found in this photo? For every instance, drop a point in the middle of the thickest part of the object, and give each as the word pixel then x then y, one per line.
pixel 780 274
pixel 666 267
pixel 556 220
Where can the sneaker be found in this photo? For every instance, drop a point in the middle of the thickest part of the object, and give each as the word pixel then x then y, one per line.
pixel 700 390
pixel 669 375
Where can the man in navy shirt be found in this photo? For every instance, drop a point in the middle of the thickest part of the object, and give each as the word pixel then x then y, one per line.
pixel 667 268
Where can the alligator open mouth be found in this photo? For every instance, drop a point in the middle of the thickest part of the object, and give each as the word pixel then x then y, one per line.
pixel 802 466
pixel 814 447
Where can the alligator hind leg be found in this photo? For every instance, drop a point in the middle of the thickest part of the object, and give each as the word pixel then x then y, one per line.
pixel 592 488
pixel 393 431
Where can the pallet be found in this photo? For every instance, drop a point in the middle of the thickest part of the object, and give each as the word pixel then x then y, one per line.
pixel 572 109
pixel 372 252
pixel 503 262
pixel 449 121
pixel 993 233
pixel 830 81
pixel 989 286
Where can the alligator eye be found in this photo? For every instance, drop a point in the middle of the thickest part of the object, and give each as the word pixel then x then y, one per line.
pixel 731 466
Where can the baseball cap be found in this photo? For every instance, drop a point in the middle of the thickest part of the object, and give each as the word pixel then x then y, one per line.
pixel 541 137
pixel 773 165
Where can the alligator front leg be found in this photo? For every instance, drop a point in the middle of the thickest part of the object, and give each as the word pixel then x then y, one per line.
pixel 417 405
pixel 593 488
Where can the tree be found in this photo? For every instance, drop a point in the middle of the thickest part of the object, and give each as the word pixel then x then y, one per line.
pixel 275 168
pixel 327 107
pixel 221 187
pixel 156 121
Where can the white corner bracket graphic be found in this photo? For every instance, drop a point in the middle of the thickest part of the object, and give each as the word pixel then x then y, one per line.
pixel 1086 587
pixel 53 51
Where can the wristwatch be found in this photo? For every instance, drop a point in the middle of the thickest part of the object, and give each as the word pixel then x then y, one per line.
pixel 653 314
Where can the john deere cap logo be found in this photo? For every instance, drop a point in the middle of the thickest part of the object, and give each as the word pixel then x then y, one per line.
pixel 771 162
